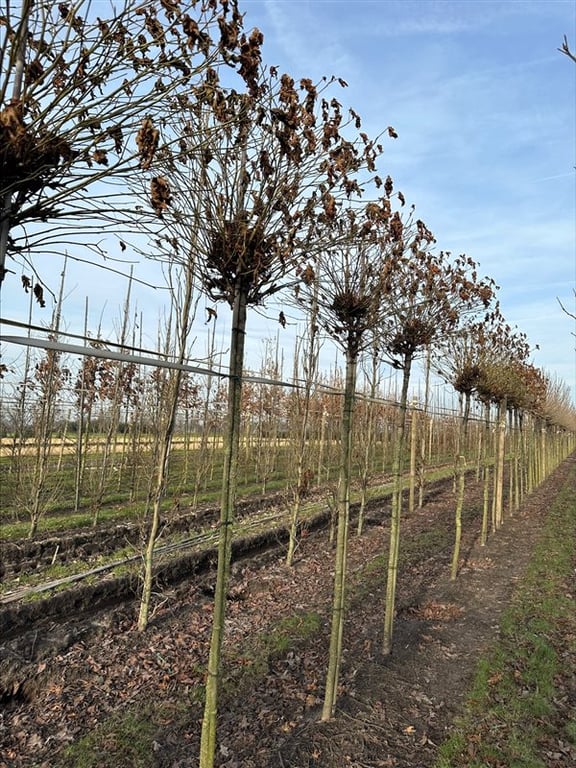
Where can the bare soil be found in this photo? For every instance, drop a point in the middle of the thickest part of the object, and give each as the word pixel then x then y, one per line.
pixel 70 677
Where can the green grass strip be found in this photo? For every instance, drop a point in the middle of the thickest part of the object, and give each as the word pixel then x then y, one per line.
pixel 518 713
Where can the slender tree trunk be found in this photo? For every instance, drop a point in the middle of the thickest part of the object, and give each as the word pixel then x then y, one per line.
pixel 521 458
pixel 322 445
pixel 206 449
pixel 396 512
pixel 466 415
pixel 413 454
pixel 367 458
pixel 424 424
pixel 80 455
pixel 479 450
pixel 111 432
pixel 302 482
pixel 486 507
pixel 49 388
pixel 461 474
pixel 62 444
pixel 486 476
pixel 19 439
pixel 164 454
pixel 337 627
pixel 500 456
pixel 544 456
pixel 229 481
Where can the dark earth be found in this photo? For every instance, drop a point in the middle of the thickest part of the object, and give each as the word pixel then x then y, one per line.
pixel 64 679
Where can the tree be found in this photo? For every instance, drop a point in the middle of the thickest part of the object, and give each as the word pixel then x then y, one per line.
pixel 300 404
pixel 242 182
pixel 183 309
pixel 114 385
pixel 368 428
pixel 78 98
pixel 504 349
pixel 50 376
pixel 348 302
pixel 428 296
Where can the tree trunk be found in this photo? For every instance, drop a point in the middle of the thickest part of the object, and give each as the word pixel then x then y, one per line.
pixel 486 476
pixel 461 472
pixel 302 481
pixel 116 400
pixel 49 387
pixel 166 436
pixel 424 422
pixel 368 437
pixel 229 481
pixel 80 423
pixel 396 512
pixel 335 649
pixel 499 472
pixel 413 447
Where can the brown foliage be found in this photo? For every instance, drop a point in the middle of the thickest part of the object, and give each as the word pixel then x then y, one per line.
pixel 240 257
pixel 28 158
pixel 147 142
pixel 160 195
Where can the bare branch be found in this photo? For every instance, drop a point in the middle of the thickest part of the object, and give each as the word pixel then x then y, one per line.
pixel 565 48
pixel 79 98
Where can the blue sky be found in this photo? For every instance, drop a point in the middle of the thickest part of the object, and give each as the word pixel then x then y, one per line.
pixel 484 106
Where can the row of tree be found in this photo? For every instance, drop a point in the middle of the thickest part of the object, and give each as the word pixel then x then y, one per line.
pixel 97 418
pixel 163 122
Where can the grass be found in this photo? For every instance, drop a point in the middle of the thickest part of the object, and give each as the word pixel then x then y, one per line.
pixel 126 738
pixel 515 713
pixel 251 661
pixel 117 507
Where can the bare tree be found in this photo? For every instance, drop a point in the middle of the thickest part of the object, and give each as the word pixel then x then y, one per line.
pixel 368 427
pixel 301 401
pixel 242 183
pixel 49 375
pixel 429 295
pixel 114 377
pixel 348 302
pixel 78 98
pixel 183 305
pixel 498 383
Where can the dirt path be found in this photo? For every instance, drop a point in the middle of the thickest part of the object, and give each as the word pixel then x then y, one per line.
pixel 397 710
pixel 393 711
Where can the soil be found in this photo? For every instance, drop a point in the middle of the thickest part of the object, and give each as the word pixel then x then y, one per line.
pixel 29 555
pixel 72 676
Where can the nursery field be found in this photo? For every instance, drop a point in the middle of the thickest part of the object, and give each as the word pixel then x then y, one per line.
pixel 113 543
pixel 483 670
pixel 303 496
